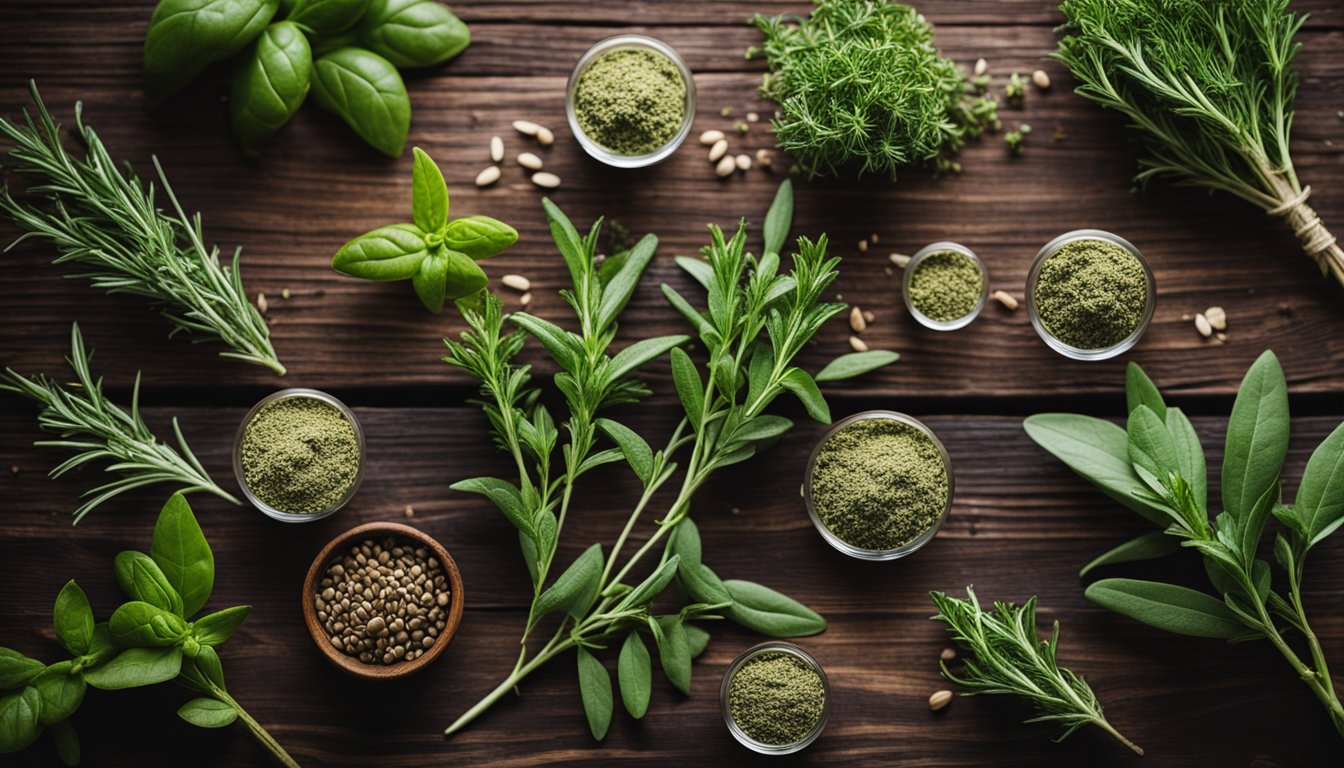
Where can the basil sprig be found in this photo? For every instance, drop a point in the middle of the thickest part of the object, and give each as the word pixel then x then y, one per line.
pixel 149 639
pixel 438 256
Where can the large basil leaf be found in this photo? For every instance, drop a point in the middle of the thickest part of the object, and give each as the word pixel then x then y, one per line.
pixel 595 690
pixel 135 667
pixel 367 92
pixel 430 281
pixel 142 579
pixel 207 713
pixel 764 610
pixel 479 237
pixel 576 589
pixel 1098 451
pixel 325 17
pixel 270 84
pixel 137 624
pixel 429 193
pixel 1167 606
pixel 1320 497
pixel 635 674
pixel 16 669
pixel 394 252
pixel 462 276
pixel 413 33
pixel 185 36
pixel 19 719
pixel 73 619
pixel 1257 436
pixel 182 553
pixel 61 690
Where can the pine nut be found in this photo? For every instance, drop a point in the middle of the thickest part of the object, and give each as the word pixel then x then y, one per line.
pixel 940 699
pixel 717 151
pixel 525 299
pixel 496 149
pixel 1041 79
pixel 899 259
pixel 709 138
pixel 752 117
pixel 1202 325
pixel 868 317
pixel 981 67
pixel 546 180
pixel 863 246
pixel 948 654
pixel 743 162
pixel 516 282
pixel 1217 318
pixel 488 176
pixel 544 136
pixel 857 344
pixel 529 161
pixel 261 303
pixel 725 167
pixel 764 158
pixel 526 127
pixel 1005 298
pixel 857 321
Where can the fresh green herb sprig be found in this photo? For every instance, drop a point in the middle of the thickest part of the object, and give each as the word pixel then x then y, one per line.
pixel 1155 466
pixel 758 321
pixel 1208 87
pixel 98 428
pixel 438 256
pixel 108 223
pixel 860 85
pixel 148 640
pixel 1005 655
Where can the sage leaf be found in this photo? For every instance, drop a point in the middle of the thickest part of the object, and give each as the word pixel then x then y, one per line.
pixel 1189 455
pixel 651 587
pixel 797 381
pixel 367 92
pixel 135 667
pixel 617 290
pixel 478 237
pixel 1320 496
pixel 779 219
pixel 692 315
pixel 429 194
pixel 1250 529
pixel 762 428
pixel 699 270
pixel 734 456
pixel 568 241
pixel 505 495
pixel 67 742
pixel 1096 450
pixel 137 624
pixel 393 252
pixel 1149 546
pixel 1167 606
pixel 634 671
pixel 213 629
pixel 557 341
pixel 595 690
pixel 61 691
pixel 72 619
pixel 142 579
pixel 760 373
pixel 1140 390
pixel 269 84
pixel 1257 436
pixel 180 550
pixel 634 448
pixel 856 364
pixel 186 36
pixel 697 639
pixel 207 713
pixel 704 585
pixel 19 719
pixel 576 589
pixel 413 33
pixel 325 17
pixel 690 389
pixel 628 360
pixel 674 653
pixel 1150 446
pixel 768 612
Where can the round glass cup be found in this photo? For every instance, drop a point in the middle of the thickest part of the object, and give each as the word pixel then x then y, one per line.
pixel 941 325
pixel 773 646
pixel 1068 350
pixel 877 554
pixel 279 514
pixel 600 152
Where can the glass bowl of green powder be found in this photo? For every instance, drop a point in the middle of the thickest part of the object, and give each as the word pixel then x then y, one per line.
pixel 1090 294
pixel 945 286
pixel 630 101
pixel 878 485
pixel 299 455
pixel 775 698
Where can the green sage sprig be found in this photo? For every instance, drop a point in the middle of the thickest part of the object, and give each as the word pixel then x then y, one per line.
pixel 438 256
pixel 1003 654
pixel 1155 466
pixel 97 428
pixel 150 639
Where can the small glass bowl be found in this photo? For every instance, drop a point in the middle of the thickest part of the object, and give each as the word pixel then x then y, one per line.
pixel 877 554
pixel 925 320
pixel 1069 350
pixel 773 646
pixel 278 514
pixel 600 152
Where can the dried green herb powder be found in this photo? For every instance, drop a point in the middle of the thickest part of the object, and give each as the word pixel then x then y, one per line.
pixel 776 698
pixel 1091 294
pixel 946 286
pixel 631 101
pixel 879 483
pixel 299 455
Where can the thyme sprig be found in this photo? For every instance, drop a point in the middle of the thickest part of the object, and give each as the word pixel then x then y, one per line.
pixel 1005 655
pixel 108 222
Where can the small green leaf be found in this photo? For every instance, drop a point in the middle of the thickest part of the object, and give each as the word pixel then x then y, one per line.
pixel 797 381
pixel 697 640
pixel 135 667
pixel 207 713
pixel 1150 445
pixel 1257 436
pixel 762 428
pixel 67 742
pixel 429 193
pixel 430 281
pixel 1149 546
pixel 325 17
pixel 856 364
pixel 568 241
pixel 595 690
pixel 1189 455
pixel 652 586
pixel 180 550
pixel 558 342
pixel 142 579
pixel 1140 390
pixel 19 719
pixel 674 653
pixel 617 290
pixel 632 357
pixel 635 673
pixel 204 671
pixel 73 619
pixel 764 610
pixel 576 589
pixel 479 237
pixel 1167 606
pixel 462 276
pixel 692 315
pixel 61 691
pixel 368 93
pixel 1249 530
pixel 690 389
pixel 394 252
pixel 137 624
pixel 505 495
pixel 16 669
pixel 699 270
pixel 779 219
pixel 1320 496
pixel 635 449
pixel 215 628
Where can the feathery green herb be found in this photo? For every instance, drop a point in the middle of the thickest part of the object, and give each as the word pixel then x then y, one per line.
pixel 860 85
pixel 1005 655
pixel 108 223
pixel 1155 466
pixel 1208 87
pixel 97 428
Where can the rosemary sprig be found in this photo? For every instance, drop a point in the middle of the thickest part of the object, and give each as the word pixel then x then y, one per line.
pixel 1004 655
pixel 97 428
pixel 108 223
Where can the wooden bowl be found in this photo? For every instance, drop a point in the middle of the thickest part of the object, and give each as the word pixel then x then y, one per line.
pixel 337 547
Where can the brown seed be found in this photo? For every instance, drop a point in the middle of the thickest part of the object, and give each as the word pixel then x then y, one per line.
pixel 868 317
pixel 863 246
pixel 544 136
pixel 375 625
pixel 948 654
pixel 526 127
pixel 940 699
pixel 857 344
pixel 529 161
pixel 981 67
pixel 525 299
pixel 546 180
pixel 857 321
pixel 743 162
pixel 763 158
pixel 752 117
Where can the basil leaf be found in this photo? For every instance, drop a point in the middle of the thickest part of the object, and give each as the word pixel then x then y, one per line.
pixel 19 719
pixel 697 640
pixel 215 628
pixel 135 667
pixel 1099 452
pixel 142 579
pixel 67 742
pixel 185 36
pixel 413 33
pixel 207 713
pixel 479 237
pixel 635 674
pixel 101 647
pixel 1149 546
pixel 690 389
pixel 505 495
pixel 1140 390
pixel 325 17
pixel 674 653
pixel 61 691
pixel 779 219
pixel 137 624
pixel 634 448
pixel 180 550
pixel 1257 436
pixel 72 619
pixel 463 276
pixel 429 194
pixel 324 44
pixel 1167 606
pixel 394 252
pixel 430 281
pixel 1320 496
pixel 856 364
pixel 368 93
pixel 628 360
pixel 651 587
pixel 204 671
pixel 595 690
pixel 270 84
pixel 805 389
pixel 16 669
pixel 576 589
pixel 770 613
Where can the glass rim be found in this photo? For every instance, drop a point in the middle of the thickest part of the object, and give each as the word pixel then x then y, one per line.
pixel 284 394
pixel 601 153
pixel 909 547
pixel 774 646
pixel 940 247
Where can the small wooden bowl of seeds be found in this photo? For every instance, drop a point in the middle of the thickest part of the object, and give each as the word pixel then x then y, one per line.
pixel 382 600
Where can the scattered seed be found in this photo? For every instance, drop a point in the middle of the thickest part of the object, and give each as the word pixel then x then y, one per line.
pixel 410 512
pixel 261 303
pixel 725 167
pixel 1220 336
pixel 899 259
pixel 284 293
pixel 873 238
pixel 544 136
pixel 726 112
pixel 1202 325
pixel 708 138
pixel 752 117
pixel 863 246
pixel 857 321
pixel 743 162
pixel 496 149
pixel 529 161
pixel 981 67
pixel 13 469
pixel 516 282
pixel 1217 318
pixel 1041 79
pixel 948 654
pixel 1059 134
pixel 743 128
pixel 940 699
pixel 868 317
pixel 717 151
pixel 525 299
pixel 764 158
pixel 888 271
pixel 857 344
pixel 546 180
pixel 1005 298
pixel 488 176
pixel 526 127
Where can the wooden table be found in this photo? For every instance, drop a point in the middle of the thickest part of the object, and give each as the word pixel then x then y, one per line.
pixel 1021 525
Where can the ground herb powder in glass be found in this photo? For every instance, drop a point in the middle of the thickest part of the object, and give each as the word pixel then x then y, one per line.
pixel 776 698
pixel 1091 294
pixel 879 483
pixel 946 286
pixel 632 101
pixel 300 455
